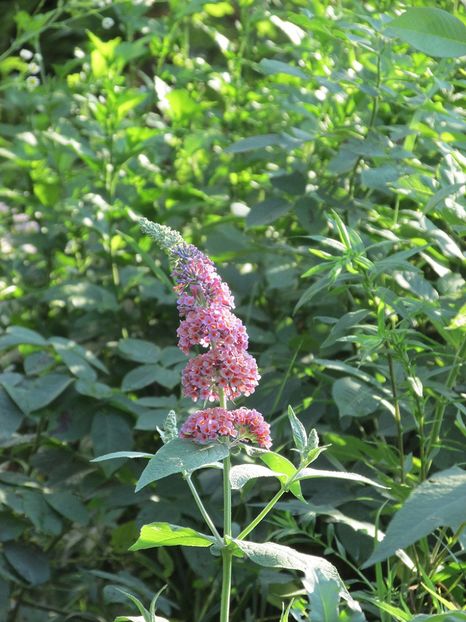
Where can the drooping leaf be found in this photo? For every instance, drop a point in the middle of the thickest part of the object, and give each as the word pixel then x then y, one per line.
pixel 241 474
pixel 115 455
pixel 274 555
pixel 165 534
pixel 309 473
pixel 438 502
pixel 35 394
pixel 28 561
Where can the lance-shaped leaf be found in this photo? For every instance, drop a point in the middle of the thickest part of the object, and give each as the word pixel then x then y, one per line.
pixel 437 502
pixel 298 430
pixel 122 454
pixel 241 474
pixel 178 456
pixel 280 464
pixel 165 534
pixel 353 477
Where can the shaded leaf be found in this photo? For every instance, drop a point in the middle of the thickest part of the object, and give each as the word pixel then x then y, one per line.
pixel 29 562
pixel 437 502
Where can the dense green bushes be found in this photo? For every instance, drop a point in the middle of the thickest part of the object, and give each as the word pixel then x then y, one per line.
pixel 319 160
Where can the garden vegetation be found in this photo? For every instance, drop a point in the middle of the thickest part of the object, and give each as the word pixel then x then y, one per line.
pixel 306 161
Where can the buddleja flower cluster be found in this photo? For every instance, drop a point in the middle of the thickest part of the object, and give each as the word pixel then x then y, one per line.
pixel 204 304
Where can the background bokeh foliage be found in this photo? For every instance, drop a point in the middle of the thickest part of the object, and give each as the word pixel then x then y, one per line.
pixel 284 138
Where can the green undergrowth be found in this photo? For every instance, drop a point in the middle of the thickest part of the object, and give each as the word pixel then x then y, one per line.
pixel 316 152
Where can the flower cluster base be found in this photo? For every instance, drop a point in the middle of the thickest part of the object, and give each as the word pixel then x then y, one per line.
pixel 242 425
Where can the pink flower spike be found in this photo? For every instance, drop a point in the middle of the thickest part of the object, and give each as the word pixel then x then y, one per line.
pixel 235 371
pixel 212 326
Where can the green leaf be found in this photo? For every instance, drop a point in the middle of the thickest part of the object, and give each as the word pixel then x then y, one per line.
pixel 39 512
pixel 353 397
pixel 32 395
pixel 11 527
pixel 274 555
pixel 10 416
pixel 165 534
pixel 415 283
pixel 180 455
pixel 87 296
pixel 431 30
pixel 298 430
pixel 340 328
pixel 324 600
pixel 97 390
pixel 139 350
pixel 280 464
pixel 69 506
pixel 30 563
pixel 309 473
pixel 254 142
pixel 270 67
pixel 115 455
pixel 146 615
pixel 18 335
pixel 451 616
pixel 437 502
pixel 241 474
pixel 110 433
pixel 267 211
pixel 145 375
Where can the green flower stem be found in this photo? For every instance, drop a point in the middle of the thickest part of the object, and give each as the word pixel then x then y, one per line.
pixel 227 554
pixel 203 510
pixel 253 524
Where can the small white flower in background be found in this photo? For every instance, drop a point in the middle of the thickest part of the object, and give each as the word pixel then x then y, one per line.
pixel 26 54
pixel 321 93
pixel 33 68
pixel 78 53
pixel 107 23
pixel 32 82
pixel 29 249
pixel 240 209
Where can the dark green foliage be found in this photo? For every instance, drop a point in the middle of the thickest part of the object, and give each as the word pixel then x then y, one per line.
pixel 316 152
